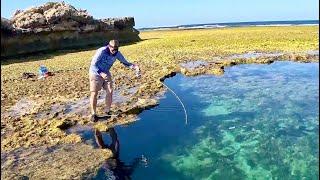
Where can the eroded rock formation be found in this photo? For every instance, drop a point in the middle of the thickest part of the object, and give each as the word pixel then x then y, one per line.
pixel 57 25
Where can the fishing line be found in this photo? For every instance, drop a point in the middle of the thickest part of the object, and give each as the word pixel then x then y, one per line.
pixel 185 112
pixel 184 109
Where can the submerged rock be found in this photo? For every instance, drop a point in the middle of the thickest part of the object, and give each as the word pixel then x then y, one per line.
pixel 145 103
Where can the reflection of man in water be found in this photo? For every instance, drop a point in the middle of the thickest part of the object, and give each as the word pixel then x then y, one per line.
pixel 118 169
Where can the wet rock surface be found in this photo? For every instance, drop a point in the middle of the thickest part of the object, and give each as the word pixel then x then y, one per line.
pixel 216 66
pixel 57 162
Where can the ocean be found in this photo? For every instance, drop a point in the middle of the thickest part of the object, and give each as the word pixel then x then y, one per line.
pixel 236 24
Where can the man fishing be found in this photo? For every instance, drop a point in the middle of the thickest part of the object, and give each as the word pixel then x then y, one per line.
pixel 100 76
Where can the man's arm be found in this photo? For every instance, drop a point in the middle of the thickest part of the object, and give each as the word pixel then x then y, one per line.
pixel 123 60
pixel 95 60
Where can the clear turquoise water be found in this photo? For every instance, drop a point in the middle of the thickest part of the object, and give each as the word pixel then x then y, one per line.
pixel 254 122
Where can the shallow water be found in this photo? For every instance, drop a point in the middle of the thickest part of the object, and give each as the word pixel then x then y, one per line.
pixel 254 122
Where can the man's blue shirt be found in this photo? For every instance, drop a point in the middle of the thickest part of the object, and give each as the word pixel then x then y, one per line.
pixel 103 60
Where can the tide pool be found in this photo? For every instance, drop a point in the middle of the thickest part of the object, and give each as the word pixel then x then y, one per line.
pixel 253 122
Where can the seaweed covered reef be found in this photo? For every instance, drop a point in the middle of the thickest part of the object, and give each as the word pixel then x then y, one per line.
pixel 38 112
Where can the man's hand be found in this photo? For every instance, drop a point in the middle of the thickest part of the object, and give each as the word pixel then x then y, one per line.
pixel 137 70
pixel 103 75
pixel 135 67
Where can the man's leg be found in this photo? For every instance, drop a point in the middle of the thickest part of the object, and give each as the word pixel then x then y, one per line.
pixel 109 92
pixel 95 85
pixel 93 101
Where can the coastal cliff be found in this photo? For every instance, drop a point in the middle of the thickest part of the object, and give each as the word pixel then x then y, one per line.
pixel 57 25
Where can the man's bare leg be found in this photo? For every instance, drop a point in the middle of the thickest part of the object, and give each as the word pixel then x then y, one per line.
pixel 93 102
pixel 108 100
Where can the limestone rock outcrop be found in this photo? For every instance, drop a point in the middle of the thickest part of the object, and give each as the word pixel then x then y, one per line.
pixel 57 25
pixel 51 15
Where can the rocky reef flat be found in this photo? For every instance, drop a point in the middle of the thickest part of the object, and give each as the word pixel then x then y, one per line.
pixel 36 114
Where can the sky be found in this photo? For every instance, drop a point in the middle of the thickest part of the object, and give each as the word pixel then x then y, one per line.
pixel 158 13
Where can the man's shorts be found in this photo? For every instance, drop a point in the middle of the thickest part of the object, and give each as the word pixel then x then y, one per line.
pixel 97 82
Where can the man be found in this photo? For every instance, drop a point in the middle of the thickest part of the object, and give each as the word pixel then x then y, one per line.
pixel 100 76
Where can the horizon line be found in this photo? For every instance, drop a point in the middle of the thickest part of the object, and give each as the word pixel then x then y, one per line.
pixel 231 22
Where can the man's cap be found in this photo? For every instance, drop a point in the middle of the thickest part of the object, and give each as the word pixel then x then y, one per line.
pixel 114 43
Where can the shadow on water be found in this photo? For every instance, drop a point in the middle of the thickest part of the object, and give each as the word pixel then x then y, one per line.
pixel 113 167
